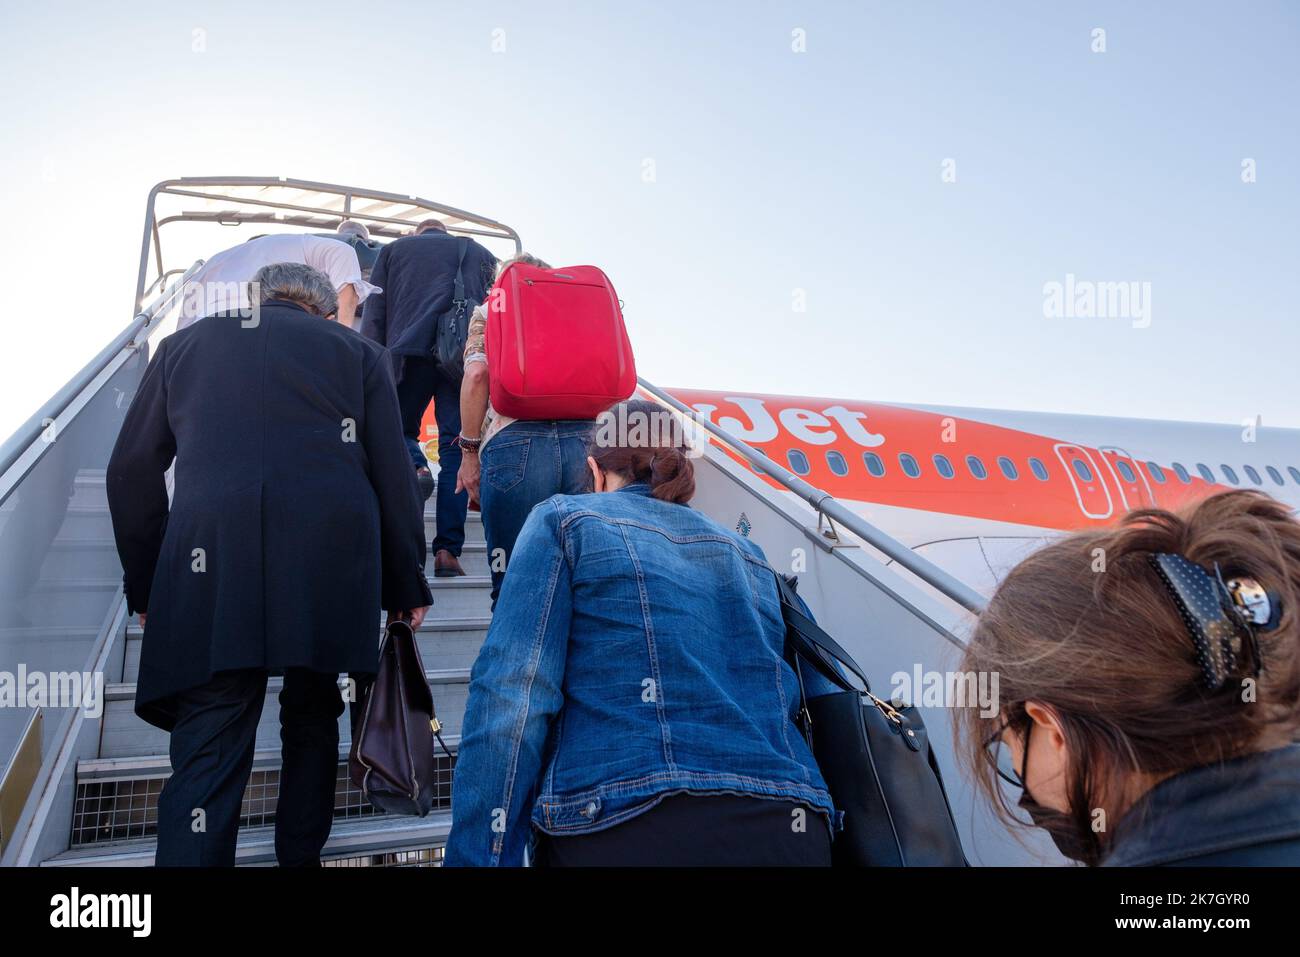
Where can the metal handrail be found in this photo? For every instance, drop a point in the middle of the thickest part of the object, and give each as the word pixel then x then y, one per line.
pixel 825 504
pixel 207 188
pixel 30 432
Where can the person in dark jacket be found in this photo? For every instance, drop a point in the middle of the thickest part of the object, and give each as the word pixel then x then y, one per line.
pixel 417 275
pixel 1241 812
pixel 1150 703
pixel 295 518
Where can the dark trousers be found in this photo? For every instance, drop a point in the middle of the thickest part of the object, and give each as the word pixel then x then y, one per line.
pixel 524 464
pixel 420 381
pixel 212 748
pixel 700 830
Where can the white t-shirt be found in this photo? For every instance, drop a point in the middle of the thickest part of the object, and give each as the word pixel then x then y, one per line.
pixel 222 282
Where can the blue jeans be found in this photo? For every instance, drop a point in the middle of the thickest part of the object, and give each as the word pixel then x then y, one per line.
pixel 524 464
pixel 421 381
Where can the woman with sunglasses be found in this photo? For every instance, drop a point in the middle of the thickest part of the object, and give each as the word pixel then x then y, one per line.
pixel 1150 689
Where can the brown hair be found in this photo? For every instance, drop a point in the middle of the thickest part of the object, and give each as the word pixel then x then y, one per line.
pixel 641 441
pixel 1086 627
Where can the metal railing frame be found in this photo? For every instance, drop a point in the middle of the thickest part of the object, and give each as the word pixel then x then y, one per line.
pixel 197 187
pixel 23 440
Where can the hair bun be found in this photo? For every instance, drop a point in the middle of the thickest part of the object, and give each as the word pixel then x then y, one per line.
pixel 641 441
pixel 672 476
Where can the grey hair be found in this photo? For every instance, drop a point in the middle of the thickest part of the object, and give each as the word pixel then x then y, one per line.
pixel 298 283
pixel 526 258
pixel 350 227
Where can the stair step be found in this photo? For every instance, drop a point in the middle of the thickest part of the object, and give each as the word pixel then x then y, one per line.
pixel 466 597
pixel 89 489
pixel 87 520
pixel 83 560
pixel 444 643
pixel 125 691
pixel 86 523
pixel 473 518
pixel 56 648
pixel 124 735
pixel 148 766
pixel 350 842
pixel 72 602
pixel 117 799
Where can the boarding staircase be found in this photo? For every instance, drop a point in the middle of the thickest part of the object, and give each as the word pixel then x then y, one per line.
pixel 79 788
pixel 114 816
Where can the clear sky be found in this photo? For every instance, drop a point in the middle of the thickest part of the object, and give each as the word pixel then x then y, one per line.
pixel 764 181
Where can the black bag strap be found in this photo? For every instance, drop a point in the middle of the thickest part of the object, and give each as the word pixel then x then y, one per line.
pixel 809 640
pixel 458 289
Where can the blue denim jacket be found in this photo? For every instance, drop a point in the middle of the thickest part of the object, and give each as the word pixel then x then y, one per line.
pixel 636 652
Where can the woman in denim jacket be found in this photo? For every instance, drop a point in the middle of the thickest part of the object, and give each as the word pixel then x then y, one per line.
pixel 631 704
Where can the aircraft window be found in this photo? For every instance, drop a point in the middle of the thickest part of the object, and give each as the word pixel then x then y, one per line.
pixel 874 465
pixel 798 462
pixel 1081 469
pixel 836 461
pixel 1232 476
pixel 1157 472
pixel 910 468
pixel 1275 475
pixel 976 467
pixel 1039 469
pixel 1205 472
pixel 1125 471
pixel 1295 473
pixel 944 467
pixel 1253 475
pixel 1182 474
pixel 1008 467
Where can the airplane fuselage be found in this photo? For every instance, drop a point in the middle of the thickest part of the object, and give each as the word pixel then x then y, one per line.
pixel 922 472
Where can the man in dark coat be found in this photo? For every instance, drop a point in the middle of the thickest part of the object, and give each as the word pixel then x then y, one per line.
pixel 295 518
pixel 417 274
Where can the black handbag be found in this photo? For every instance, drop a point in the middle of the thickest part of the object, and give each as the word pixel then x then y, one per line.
pixel 876 759
pixel 453 325
pixel 392 756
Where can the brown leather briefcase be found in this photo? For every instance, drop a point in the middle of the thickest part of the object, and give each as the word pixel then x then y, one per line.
pixel 392 755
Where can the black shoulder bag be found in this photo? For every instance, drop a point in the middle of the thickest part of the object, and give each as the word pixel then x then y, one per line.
pixel 453 325
pixel 876 759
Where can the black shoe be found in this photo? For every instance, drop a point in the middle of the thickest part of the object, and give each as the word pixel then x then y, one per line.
pixel 425 479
